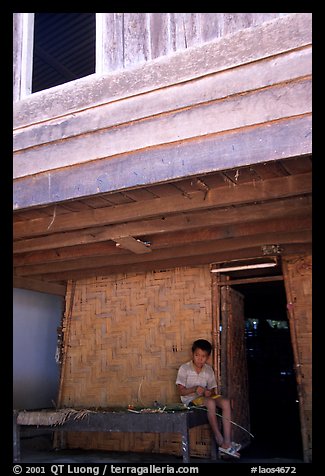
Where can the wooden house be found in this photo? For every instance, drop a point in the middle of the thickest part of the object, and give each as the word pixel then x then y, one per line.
pixel 160 160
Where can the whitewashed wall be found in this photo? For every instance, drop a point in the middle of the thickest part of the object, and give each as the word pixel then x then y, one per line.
pixel 36 317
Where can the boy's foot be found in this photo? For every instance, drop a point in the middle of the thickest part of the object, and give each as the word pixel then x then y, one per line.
pixel 235 445
pixel 230 451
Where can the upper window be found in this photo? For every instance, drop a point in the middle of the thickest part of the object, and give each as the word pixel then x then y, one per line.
pixel 64 48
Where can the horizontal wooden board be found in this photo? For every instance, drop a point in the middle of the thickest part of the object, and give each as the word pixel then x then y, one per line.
pixel 165 240
pixel 223 84
pixel 172 252
pixel 281 35
pixel 227 195
pixel 217 256
pixel 223 216
pixel 254 108
pixel 268 142
pixel 39 285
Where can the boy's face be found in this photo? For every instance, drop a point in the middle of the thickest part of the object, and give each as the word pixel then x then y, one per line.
pixel 200 357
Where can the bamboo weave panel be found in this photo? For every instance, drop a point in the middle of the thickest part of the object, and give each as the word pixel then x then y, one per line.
pixel 298 280
pixel 125 339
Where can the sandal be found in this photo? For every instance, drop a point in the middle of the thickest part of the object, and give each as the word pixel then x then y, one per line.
pixel 235 445
pixel 229 451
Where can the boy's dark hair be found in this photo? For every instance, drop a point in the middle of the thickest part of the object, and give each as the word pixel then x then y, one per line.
pixel 203 345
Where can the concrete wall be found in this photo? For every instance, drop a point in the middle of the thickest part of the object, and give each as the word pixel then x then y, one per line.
pixel 36 317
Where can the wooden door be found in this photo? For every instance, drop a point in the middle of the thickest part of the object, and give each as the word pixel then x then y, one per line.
pixel 233 362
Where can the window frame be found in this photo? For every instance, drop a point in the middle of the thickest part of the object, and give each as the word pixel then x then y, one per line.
pixel 27 52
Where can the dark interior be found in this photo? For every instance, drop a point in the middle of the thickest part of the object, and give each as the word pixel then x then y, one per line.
pixel 64 48
pixel 274 408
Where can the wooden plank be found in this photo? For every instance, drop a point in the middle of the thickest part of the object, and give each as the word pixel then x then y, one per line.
pixel 185 30
pixel 277 140
pixel 158 265
pixel 132 244
pixel 97 202
pixel 165 190
pixel 237 21
pixel 139 194
pixel 245 46
pixel 265 279
pixel 218 197
pixel 71 252
pixel 295 165
pixel 17 54
pixel 211 26
pixel 164 240
pixel 223 85
pixel 136 39
pixel 38 285
pixel 254 108
pixel 160 41
pixel 235 230
pixel 168 253
pixel 179 261
pixel 112 42
pixel 150 422
pixel 23 37
pixel 282 208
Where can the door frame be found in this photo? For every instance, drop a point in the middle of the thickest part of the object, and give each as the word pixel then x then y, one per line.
pixel 219 280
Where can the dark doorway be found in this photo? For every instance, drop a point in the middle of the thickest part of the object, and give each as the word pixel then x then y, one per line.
pixel 273 401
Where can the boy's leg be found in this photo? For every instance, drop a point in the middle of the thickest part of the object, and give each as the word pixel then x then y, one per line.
pixel 224 404
pixel 223 442
pixel 210 404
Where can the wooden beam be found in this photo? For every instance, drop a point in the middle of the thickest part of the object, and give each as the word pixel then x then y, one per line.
pixel 284 68
pixel 190 123
pixel 186 250
pixel 104 248
pixel 152 265
pixel 255 252
pixel 227 195
pixel 252 212
pixel 38 285
pixel 165 240
pixel 245 146
pixel 236 230
pixel 260 279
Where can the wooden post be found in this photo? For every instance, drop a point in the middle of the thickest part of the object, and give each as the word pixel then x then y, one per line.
pixel 215 297
pixel 66 339
pixel 59 440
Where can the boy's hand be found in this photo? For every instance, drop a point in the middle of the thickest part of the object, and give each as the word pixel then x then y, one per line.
pixel 200 390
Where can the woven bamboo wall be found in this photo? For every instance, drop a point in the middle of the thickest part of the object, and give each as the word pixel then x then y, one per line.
pixel 125 337
pixel 298 283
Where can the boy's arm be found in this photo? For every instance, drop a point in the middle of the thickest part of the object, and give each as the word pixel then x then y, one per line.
pixel 183 391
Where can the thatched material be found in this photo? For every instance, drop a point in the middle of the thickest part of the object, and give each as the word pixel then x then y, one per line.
pixel 50 417
pixel 298 283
